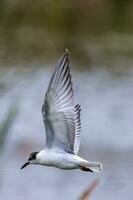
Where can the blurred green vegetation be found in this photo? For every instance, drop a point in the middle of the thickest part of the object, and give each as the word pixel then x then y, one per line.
pixel 33 30
pixel 6 125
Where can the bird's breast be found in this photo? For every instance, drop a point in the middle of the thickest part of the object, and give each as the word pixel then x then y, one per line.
pixel 60 160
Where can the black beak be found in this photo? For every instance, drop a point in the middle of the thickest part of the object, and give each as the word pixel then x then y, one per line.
pixel 26 164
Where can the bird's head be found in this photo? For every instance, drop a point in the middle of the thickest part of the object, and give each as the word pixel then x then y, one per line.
pixel 31 160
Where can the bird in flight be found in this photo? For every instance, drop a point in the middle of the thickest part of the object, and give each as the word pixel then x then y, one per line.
pixel 62 125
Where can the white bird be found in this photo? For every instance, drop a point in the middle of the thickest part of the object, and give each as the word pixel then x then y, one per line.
pixel 62 125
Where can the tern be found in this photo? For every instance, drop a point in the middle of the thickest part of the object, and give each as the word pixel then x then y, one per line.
pixel 62 125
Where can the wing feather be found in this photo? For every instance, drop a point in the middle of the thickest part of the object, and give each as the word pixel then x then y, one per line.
pixel 77 128
pixel 61 118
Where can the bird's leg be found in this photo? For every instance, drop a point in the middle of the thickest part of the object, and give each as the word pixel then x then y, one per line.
pixel 85 169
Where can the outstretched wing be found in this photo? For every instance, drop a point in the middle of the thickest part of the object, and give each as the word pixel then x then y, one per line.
pixel 61 118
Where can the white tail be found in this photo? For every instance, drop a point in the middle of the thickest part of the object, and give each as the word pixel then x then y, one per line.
pixel 95 166
pixel 88 165
pixel 91 166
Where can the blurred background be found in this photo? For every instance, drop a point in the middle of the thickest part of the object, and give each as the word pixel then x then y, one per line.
pixel 99 36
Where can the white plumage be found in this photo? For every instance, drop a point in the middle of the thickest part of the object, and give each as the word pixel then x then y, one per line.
pixel 62 124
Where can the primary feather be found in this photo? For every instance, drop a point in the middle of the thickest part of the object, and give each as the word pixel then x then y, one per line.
pixel 61 117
